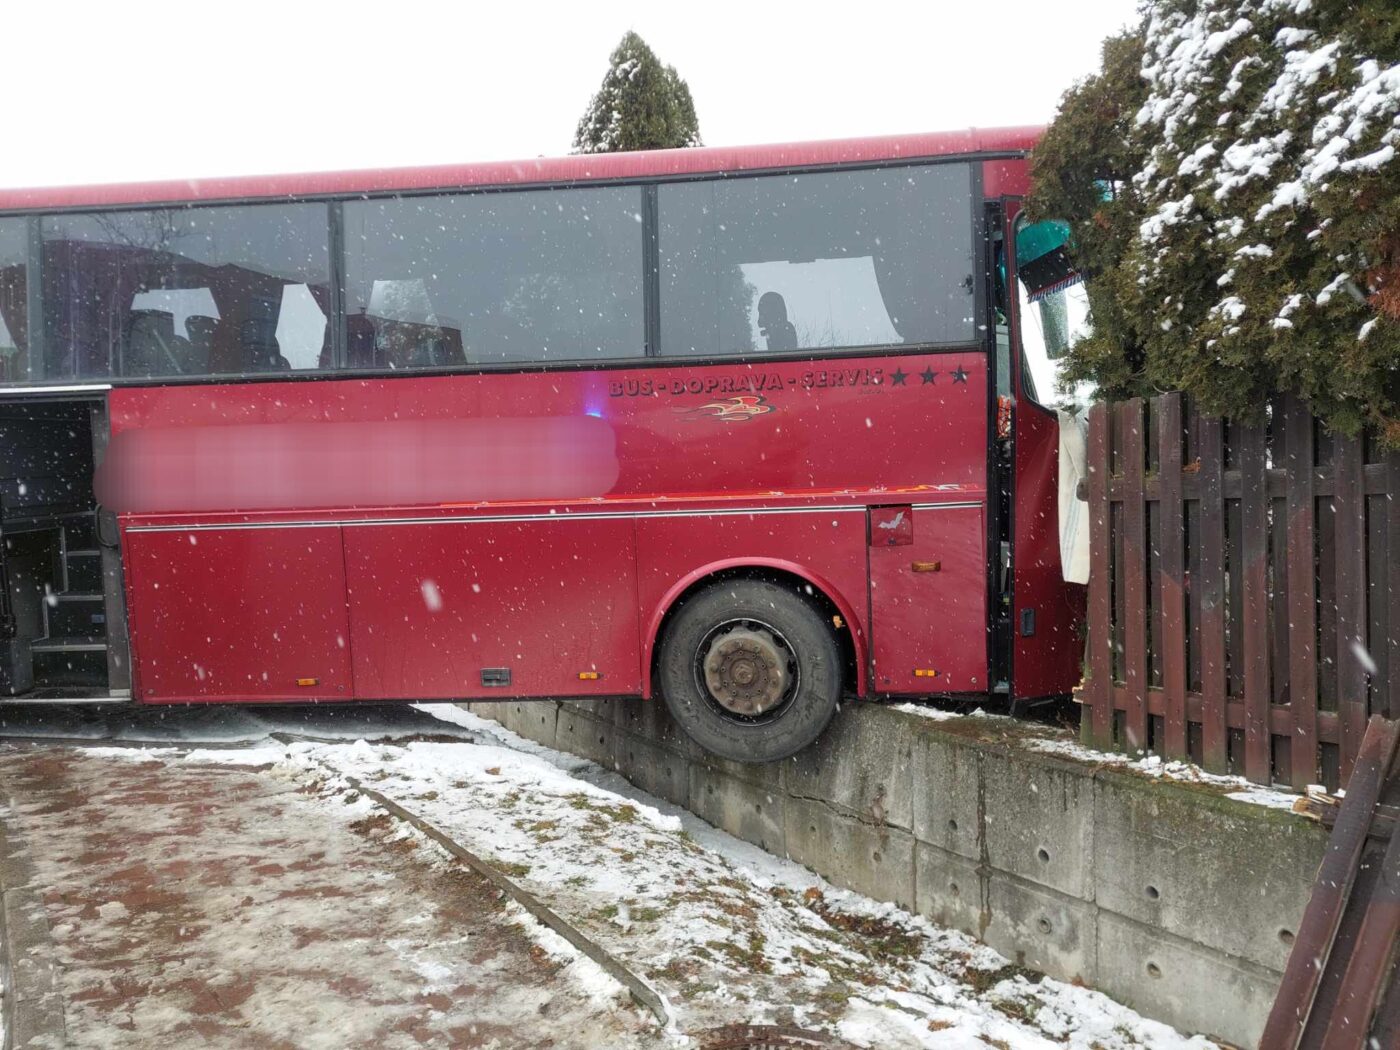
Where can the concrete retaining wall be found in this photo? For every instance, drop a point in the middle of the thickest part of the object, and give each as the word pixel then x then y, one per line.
pixel 1172 899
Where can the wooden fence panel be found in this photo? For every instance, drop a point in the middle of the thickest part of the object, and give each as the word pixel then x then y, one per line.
pixel 1258 632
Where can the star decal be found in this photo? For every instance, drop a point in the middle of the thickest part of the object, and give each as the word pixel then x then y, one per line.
pixel 959 376
pixel 898 376
pixel 927 375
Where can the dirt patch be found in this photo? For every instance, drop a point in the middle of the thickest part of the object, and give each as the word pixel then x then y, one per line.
pixel 217 905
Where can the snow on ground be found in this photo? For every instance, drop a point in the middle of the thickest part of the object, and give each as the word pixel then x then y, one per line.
pixel 776 870
pixel 726 933
pixel 1154 766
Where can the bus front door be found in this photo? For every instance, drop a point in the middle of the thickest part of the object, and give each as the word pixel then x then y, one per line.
pixel 1047 612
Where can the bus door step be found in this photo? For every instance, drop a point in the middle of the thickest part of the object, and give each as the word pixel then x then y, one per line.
pixel 80 644
pixel 71 615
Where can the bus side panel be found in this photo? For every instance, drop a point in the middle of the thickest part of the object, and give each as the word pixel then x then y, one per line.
pixel 238 614
pixel 826 547
pixel 441 612
pixel 928 599
pixel 1048 647
pixel 749 430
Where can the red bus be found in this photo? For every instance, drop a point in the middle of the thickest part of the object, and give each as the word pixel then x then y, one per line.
pixel 727 426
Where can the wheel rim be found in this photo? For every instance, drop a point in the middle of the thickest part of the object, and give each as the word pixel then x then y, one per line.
pixel 747 670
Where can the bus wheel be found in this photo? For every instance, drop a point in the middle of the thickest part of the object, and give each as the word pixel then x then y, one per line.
pixel 750 670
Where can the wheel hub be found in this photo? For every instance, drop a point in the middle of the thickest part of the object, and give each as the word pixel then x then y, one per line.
pixel 746 671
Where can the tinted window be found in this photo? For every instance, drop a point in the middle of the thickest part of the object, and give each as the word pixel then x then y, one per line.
pixel 14 244
pixel 840 259
pixel 187 291
pixel 545 275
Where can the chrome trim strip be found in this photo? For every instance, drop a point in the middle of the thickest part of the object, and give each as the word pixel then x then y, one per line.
pixel 589 515
pixel 29 391
pixel 498 518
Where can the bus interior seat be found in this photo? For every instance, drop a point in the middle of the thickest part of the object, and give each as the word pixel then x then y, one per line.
pixel 261 351
pixel 436 349
pixel 151 345
pixel 360 340
pixel 200 330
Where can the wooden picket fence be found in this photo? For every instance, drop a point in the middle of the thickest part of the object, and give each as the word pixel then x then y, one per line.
pixel 1244 596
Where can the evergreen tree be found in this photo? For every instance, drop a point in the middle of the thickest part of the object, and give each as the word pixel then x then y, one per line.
pixel 1082 172
pixel 1235 199
pixel 640 105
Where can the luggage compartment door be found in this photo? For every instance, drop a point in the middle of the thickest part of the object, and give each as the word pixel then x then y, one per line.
pixel 928 598
pixel 491 609
pixel 238 614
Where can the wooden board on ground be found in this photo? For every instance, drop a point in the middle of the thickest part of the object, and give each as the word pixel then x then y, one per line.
pixel 1341 989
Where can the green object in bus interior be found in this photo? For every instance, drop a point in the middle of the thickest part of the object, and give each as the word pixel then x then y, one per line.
pixel 1042 259
pixel 1037 238
pixel 1042 263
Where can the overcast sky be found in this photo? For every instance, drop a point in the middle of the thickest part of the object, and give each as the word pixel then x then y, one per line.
pixel 128 89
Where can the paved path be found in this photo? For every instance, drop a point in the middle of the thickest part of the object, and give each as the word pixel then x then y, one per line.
pixel 202 905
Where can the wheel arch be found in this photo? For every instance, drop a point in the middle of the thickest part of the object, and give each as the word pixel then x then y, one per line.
pixel 851 639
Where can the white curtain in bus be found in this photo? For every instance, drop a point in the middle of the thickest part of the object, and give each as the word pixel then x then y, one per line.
pixel 1074 512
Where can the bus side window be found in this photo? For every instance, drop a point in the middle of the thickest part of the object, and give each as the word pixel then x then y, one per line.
pixel 186 291
pixel 773 264
pixel 14 262
pixel 524 276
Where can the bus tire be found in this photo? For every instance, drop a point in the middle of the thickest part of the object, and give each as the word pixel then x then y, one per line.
pixel 750 670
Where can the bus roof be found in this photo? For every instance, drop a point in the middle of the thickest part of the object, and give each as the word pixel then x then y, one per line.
pixel 599 167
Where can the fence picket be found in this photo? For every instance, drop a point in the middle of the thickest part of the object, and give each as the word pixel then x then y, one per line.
pixel 1302 593
pixel 1390 690
pixel 1134 577
pixel 1100 693
pixel 1253 549
pixel 1211 587
pixel 1171 577
pixel 1349 508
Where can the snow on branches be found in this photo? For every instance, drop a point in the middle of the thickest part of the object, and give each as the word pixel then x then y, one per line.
pixel 1261 201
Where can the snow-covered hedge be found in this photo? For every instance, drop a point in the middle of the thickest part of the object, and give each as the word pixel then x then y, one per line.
pixel 1233 182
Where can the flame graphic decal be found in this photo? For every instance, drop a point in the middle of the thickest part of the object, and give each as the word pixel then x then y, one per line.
pixel 731 409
